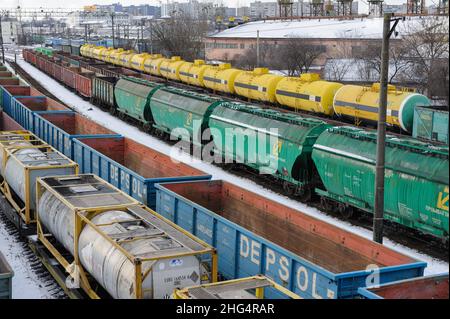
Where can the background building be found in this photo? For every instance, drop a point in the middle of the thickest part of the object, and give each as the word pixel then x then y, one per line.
pixel 78 19
pixel 328 35
pixel 260 9
pixel 10 28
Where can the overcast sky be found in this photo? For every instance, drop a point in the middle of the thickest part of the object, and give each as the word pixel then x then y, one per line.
pixel 80 3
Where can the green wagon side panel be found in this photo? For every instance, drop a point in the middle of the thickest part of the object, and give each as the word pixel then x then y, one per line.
pixel 133 97
pixel 430 124
pixel 269 141
pixel 174 108
pixel 416 179
pixel 103 90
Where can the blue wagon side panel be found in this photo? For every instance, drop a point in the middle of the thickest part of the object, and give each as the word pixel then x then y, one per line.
pixel 59 128
pixel 244 253
pixel 130 166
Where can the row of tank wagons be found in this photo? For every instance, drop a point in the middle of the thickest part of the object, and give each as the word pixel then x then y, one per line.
pixel 226 232
pixel 84 214
pixel 307 92
pixel 295 160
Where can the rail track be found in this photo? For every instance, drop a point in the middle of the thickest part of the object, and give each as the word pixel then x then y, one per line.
pixel 409 238
pixel 48 282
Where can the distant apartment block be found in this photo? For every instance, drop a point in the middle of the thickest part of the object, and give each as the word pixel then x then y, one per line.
pixel 262 10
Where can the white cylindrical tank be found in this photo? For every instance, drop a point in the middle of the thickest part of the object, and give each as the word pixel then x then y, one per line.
pixel 26 161
pixel 14 173
pixel 107 264
pixel 14 141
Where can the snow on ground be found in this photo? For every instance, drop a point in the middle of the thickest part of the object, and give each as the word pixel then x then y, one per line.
pixel 364 28
pixel 26 284
pixel 130 131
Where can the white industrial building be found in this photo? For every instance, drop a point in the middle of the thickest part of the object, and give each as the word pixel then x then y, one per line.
pixel 10 29
pixel 79 19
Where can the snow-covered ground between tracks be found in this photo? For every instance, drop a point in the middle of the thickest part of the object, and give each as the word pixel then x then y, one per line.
pixel 26 284
pixel 434 266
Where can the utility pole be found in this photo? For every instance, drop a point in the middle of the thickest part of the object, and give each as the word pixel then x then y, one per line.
pixel 142 35
pixel 112 27
pixel 1 40
pixel 378 217
pixel 151 37
pixel 257 48
pixel 85 33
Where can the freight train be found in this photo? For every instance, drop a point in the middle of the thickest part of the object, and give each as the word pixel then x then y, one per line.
pixel 305 93
pixel 251 234
pixel 308 157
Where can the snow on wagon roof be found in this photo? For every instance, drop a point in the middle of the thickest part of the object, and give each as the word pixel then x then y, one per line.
pixel 365 28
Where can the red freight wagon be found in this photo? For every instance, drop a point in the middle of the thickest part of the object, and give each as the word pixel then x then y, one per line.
pixel 69 75
pixel 83 83
pixel 49 67
pixel 57 71
pixel 40 63
pixel 5 74
pixel 7 123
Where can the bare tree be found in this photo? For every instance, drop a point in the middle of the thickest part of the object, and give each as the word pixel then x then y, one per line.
pixel 370 62
pixel 267 57
pixel 297 55
pixel 426 41
pixel 181 35
pixel 339 64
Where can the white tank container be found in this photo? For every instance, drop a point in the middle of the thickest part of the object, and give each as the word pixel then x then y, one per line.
pixel 15 174
pixel 106 263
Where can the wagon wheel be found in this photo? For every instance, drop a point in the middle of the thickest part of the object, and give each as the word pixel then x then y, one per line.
pixel 121 115
pixel 345 211
pixel 288 188
pixel 147 127
pixel 325 204
pixel 304 193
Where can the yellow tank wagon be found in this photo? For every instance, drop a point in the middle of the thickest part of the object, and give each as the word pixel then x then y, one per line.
pixel 90 51
pixel 307 93
pixel 361 103
pixel 114 57
pixel 138 60
pixel 97 51
pixel 221 78
pixel 148 62
pixel 155 65
pixel 85 50
pixel 125 58
pixel 257 85
pixel 170 68
pixel 192 72
pixel 104 55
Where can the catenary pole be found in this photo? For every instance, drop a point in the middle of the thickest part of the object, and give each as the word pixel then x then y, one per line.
pixel 378 218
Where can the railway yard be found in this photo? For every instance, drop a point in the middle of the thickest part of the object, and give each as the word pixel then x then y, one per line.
pixel 98 181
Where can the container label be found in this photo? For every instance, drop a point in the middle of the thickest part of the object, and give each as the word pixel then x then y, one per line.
pixel 442 202
pixel 306 282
